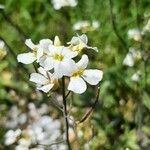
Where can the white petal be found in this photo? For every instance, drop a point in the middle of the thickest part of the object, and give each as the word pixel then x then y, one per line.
pixel 129 60
pixel 57 41
pixel 74 41
pixel 77 85
pixel 93 76
pixel 93 48
pixel 67 66
pixel 2 44
pixel 30 44
pixel 38 78
pixel 68 53
pixel 54 49
pixel 26 58
pixel 84 38
pixel 48 64
pixel 82 64
pixel 42 71
pixel 39 53
pixel 46 88
pixel 45 43
pixel 58 70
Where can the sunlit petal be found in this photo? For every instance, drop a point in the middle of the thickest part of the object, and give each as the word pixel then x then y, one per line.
pixel 82 64
pixel 46 88
pixel 93 76
pixel 30 44
pixel 26 58
pixel 77 85
pixel 38 78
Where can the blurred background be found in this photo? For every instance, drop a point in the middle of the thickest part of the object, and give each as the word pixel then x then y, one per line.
pixel 121 31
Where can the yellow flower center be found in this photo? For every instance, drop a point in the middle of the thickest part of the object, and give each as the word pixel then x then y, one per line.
pixel 77 73
pixel 58 57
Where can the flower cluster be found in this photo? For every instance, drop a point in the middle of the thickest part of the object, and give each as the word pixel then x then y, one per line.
pixel 56 61
pixel 36 130
pixel 137 34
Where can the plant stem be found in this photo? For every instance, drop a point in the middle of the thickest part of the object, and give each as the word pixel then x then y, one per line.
pixel 123 42
pixel 65 113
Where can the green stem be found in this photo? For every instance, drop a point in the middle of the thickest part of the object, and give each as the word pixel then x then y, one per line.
pixel 65 113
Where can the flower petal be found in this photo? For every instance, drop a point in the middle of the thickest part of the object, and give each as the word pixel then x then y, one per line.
pixel 57 41
pixel 30 44
pixel 48 63
pixel 45 43
pixel 26 58
pixel 68 53
pixel 38 78
pixel 54 49
pixel 39 54
pixel 74 41
pixel 67 66
pixel 58 70
pixel 42 71
pixel 82 64
pixel 93 76
pixel 77 85
pixel 83 38
pixel 93 48
pixel 46 88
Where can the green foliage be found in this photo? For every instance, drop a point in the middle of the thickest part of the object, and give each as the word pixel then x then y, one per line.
pixel 124 105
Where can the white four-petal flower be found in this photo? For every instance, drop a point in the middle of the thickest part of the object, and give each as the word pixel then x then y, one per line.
pixel 78 77
pixel 78 43
pixel 44 80
pixel 59 58
pixel 36 53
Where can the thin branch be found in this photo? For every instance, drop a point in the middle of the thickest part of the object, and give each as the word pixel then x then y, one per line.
pixel 87 114
pixel 65 113
pixel 54 143
pixel 67 94
pixel 56 105
pixel 115 27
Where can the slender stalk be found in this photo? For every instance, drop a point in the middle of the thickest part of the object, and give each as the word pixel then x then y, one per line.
pixel 88 113
pixel 114 26
pixel 54 143
pixel 65 113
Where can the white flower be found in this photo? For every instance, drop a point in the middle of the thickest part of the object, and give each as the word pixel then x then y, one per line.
pixel 2 6
pixel 86 26
pixel 59 58
pixel 3 51
pixel 81 25
pixel 37 51
pixel 44 80
pixel 2 44
pixel 136 76
pixel 78 43
pixel 129 60
pixel 146 27
pixel 11 136
pixel 131 57
pixel 95 24
pixel 135 34
pixel 62 3
pixel 78 77
pixel 56 42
